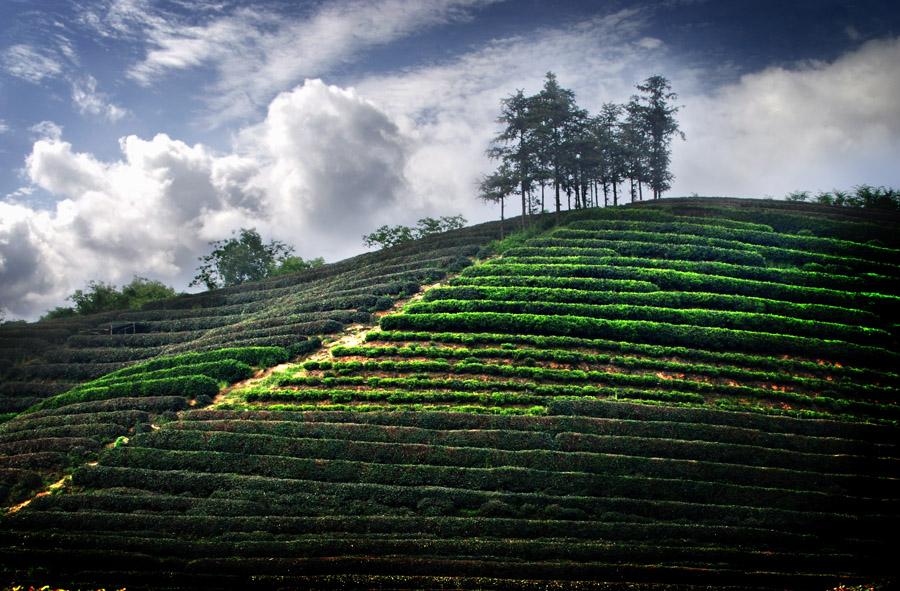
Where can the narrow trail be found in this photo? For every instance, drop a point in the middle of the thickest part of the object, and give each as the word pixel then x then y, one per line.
pixel 58 485
pixel 352 335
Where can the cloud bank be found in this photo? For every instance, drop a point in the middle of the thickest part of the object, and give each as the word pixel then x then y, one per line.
pixel 323 164
pixel 816 126
pixel 326 164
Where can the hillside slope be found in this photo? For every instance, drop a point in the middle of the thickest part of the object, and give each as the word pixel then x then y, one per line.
pixel 218 337
pixel 683 394
pixel 41 359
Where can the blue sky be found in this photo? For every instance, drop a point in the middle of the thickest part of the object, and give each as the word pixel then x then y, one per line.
pixel 132 132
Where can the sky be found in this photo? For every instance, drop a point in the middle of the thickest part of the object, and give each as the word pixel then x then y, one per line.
pixel 134 132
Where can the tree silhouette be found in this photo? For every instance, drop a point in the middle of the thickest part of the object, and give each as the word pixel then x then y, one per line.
pixel 547 139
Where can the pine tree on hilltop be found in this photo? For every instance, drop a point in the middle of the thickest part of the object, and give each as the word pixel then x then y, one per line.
pixel 655 113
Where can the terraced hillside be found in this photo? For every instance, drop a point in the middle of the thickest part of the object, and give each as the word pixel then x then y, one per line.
pixel 41 359
pixel 664 396
pixel 182 351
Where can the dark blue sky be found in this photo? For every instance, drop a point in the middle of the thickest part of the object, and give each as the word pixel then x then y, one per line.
pixel 182 121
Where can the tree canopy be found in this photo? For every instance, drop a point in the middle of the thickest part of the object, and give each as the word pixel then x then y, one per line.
pixel 240 259
pixel 99 296
pixel 387 236
pixel 547 140
pixel 865 196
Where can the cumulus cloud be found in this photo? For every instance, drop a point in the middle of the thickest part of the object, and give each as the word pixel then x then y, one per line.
pixel 816 126
pixel 332 159
pixel 450 110
pixel 323 163
pixel 88 100
pixel 326 164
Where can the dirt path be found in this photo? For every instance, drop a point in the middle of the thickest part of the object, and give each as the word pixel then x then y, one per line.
pixel 352 336
pixel 58 485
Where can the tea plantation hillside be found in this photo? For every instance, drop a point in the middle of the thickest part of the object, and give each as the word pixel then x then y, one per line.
pixel 684 394
pixel 217 337
pixel 41 359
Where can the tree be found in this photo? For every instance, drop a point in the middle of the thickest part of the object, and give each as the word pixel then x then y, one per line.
pixel 496 187
pixel 240 259
pixel 554 111
pixel 295 265
pixel 387 236
pixel 656 114
pixel 612 154
pixel 865 196
pixel 106 297
pixel 97 297
pixel 142 290
pixel 514 146
pixel 634 140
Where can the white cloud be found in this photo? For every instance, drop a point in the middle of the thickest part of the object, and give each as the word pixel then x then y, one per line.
pixel 60 60
pixel 817 127
pixel 327 164
pixel 46 130
pixel 29 63
pixel 89 101
pixel 450 110
pixel 20 192
pixel 324 163
pixel 255 54
pixel 4 127
pixel 649 43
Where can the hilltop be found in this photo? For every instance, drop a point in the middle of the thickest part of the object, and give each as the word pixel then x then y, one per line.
pixel 684 393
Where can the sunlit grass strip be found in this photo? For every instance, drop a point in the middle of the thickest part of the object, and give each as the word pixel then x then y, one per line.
pixel 749 321
pixel 510 342
pixel 529 356
pixel 666 299
pixel 646 331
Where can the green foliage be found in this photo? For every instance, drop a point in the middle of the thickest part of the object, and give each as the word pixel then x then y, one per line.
pixel 105 297
pixel 642 331
pixel 142 290
pixel 294 264
pixel 188 386
pixel 388 236
pixel 240 259
pixel 862 196
pixel 59 312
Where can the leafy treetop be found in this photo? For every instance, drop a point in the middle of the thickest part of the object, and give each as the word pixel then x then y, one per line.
pixel 387 236
pixel 240 259
pixel 99 296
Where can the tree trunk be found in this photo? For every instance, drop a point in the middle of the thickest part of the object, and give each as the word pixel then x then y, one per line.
pixel 558 203
pixel 605 194
pixel 615 195
pixel 640 191
pixel 524 213
pixel 569 198
pixel 502 217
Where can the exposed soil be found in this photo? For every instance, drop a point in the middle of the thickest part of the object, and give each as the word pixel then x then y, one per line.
pixel 353 335
pixel 59 484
